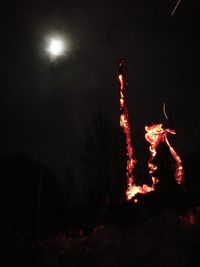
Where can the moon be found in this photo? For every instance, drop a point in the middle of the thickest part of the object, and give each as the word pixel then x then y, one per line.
pixel 56 47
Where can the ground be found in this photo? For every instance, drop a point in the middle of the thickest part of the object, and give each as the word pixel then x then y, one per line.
pixel 163 239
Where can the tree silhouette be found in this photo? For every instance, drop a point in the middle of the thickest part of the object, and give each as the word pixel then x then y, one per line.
pixel 103 162
pixel 22 182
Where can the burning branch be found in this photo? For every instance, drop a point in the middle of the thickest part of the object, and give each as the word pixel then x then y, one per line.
pixel 125 125
pixel 156 134
pixel 132 189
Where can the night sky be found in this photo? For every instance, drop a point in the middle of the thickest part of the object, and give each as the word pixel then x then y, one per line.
pixel 46 106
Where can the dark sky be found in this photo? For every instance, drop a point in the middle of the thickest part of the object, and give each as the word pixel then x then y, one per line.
pixel 46 106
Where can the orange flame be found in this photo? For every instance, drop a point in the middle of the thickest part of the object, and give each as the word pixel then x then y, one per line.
pixel 179 174
pixel 132 189
pixel 154 135
pixel 124 124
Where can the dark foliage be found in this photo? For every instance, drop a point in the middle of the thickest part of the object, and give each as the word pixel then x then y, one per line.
pixel 29 195
pixel 103 163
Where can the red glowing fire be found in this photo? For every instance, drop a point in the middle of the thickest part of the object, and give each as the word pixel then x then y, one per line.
pixel 154 135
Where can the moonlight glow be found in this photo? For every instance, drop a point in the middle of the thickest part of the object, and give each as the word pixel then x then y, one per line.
pixel 56 47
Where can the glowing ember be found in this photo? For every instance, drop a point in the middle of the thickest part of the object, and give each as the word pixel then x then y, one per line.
pixel 164 111
pixel 192 217
pixel 124 123
pixel 132 189
pixel 174 10
pixel 154 135
pixel 179 174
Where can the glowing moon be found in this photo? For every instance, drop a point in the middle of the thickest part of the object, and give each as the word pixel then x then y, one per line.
pixel 56 48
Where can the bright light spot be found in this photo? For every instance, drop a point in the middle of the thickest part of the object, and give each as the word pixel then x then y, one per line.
pixel 56 48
